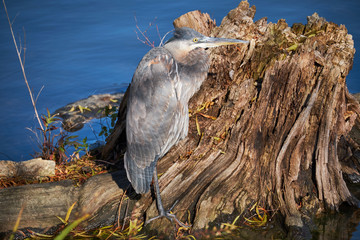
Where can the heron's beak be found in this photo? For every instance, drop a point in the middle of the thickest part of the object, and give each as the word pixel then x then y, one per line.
pixel 208 42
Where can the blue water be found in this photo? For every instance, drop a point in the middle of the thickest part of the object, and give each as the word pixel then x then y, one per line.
pixel 78 48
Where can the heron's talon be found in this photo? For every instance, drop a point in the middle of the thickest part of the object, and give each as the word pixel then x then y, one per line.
pixel 172 207
pixel 152 219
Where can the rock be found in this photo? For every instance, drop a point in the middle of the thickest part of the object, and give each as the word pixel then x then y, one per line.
pixel 75 114
pixel 8 168
pixel 30 169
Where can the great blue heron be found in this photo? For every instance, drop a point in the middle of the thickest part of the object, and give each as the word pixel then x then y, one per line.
pixel 157 108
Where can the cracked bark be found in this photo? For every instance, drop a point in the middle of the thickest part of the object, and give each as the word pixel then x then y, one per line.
pixel 281 107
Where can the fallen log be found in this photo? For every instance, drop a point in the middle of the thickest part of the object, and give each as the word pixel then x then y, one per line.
pixel 43 203
pixel 267 128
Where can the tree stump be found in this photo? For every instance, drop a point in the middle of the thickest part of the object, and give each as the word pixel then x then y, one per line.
pixel 278 111
pixel 269 127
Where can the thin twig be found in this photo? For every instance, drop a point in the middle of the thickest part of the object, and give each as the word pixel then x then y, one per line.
pixel 93 131
pixel 14 18
pixel 162 40
pixel 119 209
pixel 158 32
pixel 23 69
pixel 24 46
pixel 144 33
pixel 147 40
pixel 145 36
pixel 110 163
pixel 37 96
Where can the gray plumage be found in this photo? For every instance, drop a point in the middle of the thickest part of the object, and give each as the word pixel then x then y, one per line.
pixel 157 111
pixel 157 116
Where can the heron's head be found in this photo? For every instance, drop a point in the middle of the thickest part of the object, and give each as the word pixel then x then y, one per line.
pixel 187 39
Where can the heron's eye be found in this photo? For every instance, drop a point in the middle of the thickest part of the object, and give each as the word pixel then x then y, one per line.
pixel 195 39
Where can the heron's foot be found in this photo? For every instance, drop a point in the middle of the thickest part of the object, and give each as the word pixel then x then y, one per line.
pixel 169 216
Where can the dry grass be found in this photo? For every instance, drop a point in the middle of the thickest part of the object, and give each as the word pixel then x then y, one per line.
pixel 78 171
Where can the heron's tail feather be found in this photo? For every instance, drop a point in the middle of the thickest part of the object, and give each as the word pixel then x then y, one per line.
pixel 140 178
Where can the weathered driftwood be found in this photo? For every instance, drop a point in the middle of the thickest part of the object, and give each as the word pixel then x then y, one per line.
pixel 283 114
pixel 281 108
pixel 42 203
pixel 78 113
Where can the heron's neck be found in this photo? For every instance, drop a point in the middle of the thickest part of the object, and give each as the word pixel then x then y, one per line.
pixel 193 70
pixel 196 61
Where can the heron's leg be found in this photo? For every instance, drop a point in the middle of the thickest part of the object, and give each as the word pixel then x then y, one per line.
pixel 160 206
pixel 157 193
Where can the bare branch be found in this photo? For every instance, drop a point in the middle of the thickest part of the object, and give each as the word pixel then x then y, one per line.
pixel 158 32
pixel 145 38
pixel 23 69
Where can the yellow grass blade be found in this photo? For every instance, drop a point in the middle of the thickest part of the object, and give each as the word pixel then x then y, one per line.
pixel 235 220
pixel 44 235
pixel 62 220
pixel 81 109
pixel 252 221
pixel 197 126
pixel 17 223
pixel 69 212
pixel 258 213
pixel 70 227
pixel 264 220
pixel 252 208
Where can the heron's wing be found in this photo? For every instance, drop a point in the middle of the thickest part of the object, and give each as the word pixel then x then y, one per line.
pixel 152 116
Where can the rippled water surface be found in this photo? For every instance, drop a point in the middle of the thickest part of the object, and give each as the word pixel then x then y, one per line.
pixel 78 48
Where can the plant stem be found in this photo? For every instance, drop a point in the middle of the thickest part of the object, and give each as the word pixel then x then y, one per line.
pixel 23 69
